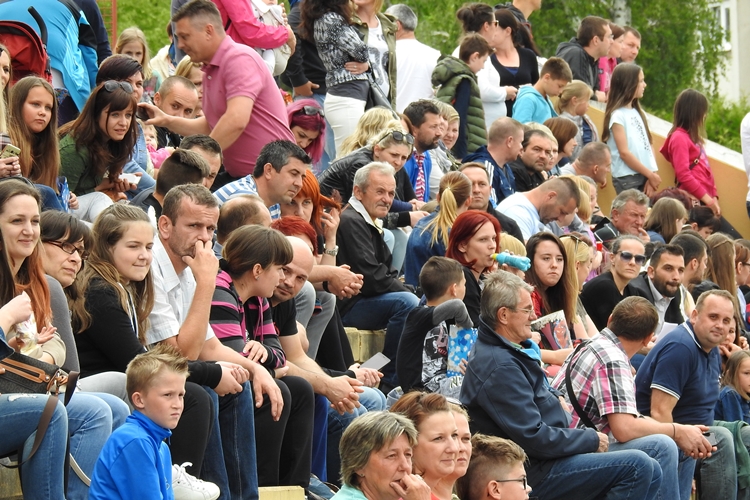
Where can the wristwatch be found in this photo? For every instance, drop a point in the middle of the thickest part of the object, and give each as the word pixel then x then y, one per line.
pixel 333 252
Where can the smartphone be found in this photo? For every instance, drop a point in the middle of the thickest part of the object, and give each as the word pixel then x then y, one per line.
pixel 141 113
pixel 10 151
pixel 711 437
pixel 376 362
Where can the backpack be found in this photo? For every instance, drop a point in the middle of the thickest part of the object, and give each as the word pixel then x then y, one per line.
pixel 27 48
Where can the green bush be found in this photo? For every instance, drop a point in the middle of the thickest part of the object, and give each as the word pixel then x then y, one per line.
pixel 723 122
pixel 151 16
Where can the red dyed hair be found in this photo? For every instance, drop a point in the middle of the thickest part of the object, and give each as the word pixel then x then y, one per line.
pixel 314 122
pixel 291 225
pixel 464 228
pixel 418 406
pixel 311 189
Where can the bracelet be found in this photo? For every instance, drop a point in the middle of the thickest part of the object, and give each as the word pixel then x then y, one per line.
pixel 674 431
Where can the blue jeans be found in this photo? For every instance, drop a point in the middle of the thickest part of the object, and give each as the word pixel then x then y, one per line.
pixel 614 475
pixel 718 473
pixel 50 201
pixel 19 416
pixel 664 450
pixel 370 400
pixel 388 311
pixel 89 424
pixel 230 460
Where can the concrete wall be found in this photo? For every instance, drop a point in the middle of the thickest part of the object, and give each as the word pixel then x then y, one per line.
pixel 727 165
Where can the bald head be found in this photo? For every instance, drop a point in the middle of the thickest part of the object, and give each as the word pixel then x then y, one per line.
pixel 242 210
pixel 594 161
pixel 296 272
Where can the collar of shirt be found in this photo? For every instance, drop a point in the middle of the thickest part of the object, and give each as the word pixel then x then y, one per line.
pixel 161 259
pixel 361 210
pixel 689 327
pixel 219 55
pixel 610 335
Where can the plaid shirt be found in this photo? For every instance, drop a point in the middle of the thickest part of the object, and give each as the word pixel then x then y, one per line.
pixel 602 379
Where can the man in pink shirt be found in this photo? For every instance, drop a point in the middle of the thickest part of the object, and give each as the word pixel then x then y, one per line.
pixel 243 108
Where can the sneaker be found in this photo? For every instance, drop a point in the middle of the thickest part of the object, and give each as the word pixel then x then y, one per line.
pixel 187 487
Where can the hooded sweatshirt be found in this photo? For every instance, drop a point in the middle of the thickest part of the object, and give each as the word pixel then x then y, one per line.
pixel 531 106
pixel 583 66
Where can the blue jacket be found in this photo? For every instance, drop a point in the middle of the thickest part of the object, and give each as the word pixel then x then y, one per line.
pixel 135 463
pixel 419 249
pixel 71 43
pixel 411 168
pixel 507 394
pixel 502 179
pixel 731 406
pixel 530 106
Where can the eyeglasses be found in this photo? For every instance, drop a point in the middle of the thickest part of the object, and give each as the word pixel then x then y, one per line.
pixel 745 263
pixel 628 256
pixel 311 111
pixel 521 480
pixel 69 248
pixel 526 311
pixel 112 85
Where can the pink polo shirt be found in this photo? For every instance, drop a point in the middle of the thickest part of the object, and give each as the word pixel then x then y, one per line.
pixel 237 70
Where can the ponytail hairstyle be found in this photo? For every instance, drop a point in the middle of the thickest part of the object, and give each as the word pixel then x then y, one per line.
pixel 455 189
pixel 100 271
pixel 575 88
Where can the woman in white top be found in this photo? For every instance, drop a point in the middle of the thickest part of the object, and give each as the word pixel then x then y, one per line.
pixel 626 133
pixel 479 18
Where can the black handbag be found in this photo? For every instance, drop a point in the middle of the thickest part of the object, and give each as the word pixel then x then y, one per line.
pixel 376 97
pixel 24 374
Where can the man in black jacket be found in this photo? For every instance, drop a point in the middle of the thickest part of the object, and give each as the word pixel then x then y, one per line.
pixel 661 284
pixel 384 301
pixel 582 53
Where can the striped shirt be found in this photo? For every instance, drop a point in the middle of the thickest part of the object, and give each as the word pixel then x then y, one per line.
pixel 244 185
pixel 602 381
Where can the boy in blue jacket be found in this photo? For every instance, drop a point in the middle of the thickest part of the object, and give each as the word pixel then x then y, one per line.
pixel 532 103
pixel 135 463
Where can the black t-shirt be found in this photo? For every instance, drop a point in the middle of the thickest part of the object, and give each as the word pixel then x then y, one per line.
pixel 285 318
pixel 526 179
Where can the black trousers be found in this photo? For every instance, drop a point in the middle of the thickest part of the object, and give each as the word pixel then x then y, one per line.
pixel 284 448
pixel 189 438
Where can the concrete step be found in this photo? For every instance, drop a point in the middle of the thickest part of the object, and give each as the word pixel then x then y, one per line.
pixel 365 343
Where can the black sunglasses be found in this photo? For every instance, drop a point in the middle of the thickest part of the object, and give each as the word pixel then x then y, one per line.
pixel 311 111
pixel 398 136
pixel 640 259
pixel 112 85
pixel 69 248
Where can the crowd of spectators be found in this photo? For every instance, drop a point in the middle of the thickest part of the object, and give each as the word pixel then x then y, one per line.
pixel 194 232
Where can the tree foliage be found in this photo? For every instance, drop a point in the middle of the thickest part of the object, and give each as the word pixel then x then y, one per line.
pixel 151 16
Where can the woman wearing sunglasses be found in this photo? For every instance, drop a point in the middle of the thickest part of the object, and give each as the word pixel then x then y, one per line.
pixel 96 147
pixel 603 293
pixel 308 124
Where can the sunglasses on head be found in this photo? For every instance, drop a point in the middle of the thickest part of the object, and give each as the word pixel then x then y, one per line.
pixel 640 259
pixel 112 85
pixel 399 137
pixel 311 111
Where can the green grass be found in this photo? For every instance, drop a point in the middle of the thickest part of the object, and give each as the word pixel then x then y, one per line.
pixel 151 16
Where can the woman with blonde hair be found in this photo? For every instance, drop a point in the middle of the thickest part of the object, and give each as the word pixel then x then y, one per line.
pixel 370 125
pixel 573 104
pixel 665 220
pixel 192 71
pixel 441 156
pixel 430 235
pixel 580 251
pixel 720 271
pixel 132 43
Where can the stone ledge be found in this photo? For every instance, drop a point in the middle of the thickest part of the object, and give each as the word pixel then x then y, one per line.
pixel 365 343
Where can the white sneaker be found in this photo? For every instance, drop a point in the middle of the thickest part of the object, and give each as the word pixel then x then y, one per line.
pixel 187 487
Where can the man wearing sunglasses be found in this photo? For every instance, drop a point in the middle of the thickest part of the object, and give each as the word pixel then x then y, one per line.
pixel 627 216
pixel 241 101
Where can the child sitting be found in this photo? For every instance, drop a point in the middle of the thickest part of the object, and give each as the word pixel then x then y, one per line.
pixel 270 13
pixel 734 398
pixel 421 362
pixel 457 80
pixel 135 461
pixel 157 155
pixel 532 103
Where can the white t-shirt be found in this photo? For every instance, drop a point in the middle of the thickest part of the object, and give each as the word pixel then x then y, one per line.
pixel 520 209
pixel 745 144
pixel 635 131
pixel 378 49
pixel 415 63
